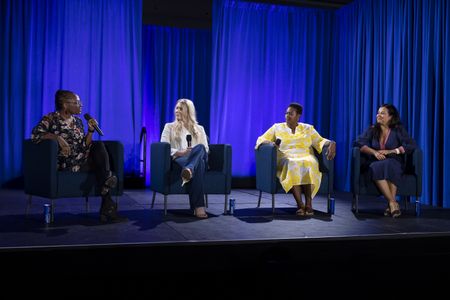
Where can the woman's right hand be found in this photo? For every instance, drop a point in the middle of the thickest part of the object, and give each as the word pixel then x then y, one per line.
pixel 65 148
pixel 184 152
pixel 379 156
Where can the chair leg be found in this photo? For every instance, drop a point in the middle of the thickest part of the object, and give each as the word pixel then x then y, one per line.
pixel 273 204
pixel 407 199
pixel 417 206
pixel 259 199
pixel 206 200
pixel 165 205
pixel 28 204
pixel 153 199
pixel 87 204
pixel 225 208
pixel 355 203
pixel 52 211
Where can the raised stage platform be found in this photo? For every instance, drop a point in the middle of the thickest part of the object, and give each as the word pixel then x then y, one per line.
pixel 343 245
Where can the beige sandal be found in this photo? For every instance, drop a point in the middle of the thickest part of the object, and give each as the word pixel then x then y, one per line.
pixel 394 209
pixel 309 211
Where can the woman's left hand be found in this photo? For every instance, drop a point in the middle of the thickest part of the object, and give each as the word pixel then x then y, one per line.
pixel 331 153
pixel 386 152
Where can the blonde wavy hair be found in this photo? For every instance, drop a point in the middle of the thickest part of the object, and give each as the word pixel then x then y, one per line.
pixel 188 119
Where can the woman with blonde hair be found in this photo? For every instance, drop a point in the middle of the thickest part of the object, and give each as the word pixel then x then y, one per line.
pixel 189 149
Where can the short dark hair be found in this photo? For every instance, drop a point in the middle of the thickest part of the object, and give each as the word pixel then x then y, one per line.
pixel 298 107
pixel 62 96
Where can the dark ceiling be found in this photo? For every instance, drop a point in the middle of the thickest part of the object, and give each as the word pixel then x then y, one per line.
pixel 198 13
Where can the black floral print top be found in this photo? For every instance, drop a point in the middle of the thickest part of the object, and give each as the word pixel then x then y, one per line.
pixel 72 131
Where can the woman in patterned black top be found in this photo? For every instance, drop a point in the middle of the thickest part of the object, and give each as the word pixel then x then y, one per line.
pixel 77 152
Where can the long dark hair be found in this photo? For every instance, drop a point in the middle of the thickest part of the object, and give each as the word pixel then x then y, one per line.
pixel 395 120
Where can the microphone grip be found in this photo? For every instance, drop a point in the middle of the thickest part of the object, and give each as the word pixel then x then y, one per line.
pixel 189 140
pixel 278 142
pixel 88 117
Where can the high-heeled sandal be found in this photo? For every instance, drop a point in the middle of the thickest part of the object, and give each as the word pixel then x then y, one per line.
pixel 395 209
pixel 387 212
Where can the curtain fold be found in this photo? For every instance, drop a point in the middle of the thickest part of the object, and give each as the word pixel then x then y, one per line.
pixel 394 52
pixel 264 57
pixel 176 64
pixel 341 66
pixel 90 47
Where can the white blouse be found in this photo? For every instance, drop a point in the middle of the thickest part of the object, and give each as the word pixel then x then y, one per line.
pixel 168 136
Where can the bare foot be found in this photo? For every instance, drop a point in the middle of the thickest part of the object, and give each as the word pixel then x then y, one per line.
pixel 201 213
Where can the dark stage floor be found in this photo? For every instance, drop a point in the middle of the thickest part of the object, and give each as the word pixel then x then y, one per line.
pixel 252 238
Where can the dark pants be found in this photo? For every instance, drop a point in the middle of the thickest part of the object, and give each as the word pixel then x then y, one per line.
pixel 196 161
pixel 98 162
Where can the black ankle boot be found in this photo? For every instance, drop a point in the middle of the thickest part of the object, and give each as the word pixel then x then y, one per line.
pixel 108 211
pixel 109 183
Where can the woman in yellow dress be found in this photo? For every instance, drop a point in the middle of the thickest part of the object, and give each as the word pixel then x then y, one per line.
pixel 297 166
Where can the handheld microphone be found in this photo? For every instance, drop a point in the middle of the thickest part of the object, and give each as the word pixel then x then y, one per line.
pixel 88 117
pixel 189 139
pixel 278 142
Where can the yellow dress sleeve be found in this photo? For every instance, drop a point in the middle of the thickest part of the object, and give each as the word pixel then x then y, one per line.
pixel 317 140
pixel 269 136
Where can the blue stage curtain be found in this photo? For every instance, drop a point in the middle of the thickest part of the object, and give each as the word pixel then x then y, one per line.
pixel 176 64
pixel 90 47
pixel 264 57
pixel 395 52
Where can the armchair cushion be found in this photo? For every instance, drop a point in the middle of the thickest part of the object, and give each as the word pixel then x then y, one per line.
pixel 42 178
pixel 165 175
pixel 410 183
pixel 266 170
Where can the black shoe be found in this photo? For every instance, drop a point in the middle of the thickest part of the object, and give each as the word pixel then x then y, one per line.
pixel 108 211
pixel 110 215
pixel 112 218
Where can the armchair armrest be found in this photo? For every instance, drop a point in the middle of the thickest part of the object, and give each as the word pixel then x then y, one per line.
pixel 325 165
pixel 266 168
pixel 356 169
pixel 40 168
pixel 220 160
pixel 160 165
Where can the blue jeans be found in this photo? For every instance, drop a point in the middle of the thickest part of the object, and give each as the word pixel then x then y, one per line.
pixel 196 161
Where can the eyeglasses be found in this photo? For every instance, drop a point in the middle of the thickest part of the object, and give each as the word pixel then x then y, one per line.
pixel 75 102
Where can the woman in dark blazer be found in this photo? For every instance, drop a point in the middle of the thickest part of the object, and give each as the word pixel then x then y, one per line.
pixel 385 144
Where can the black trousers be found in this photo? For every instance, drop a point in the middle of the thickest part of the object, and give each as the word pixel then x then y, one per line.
pixel 196 161
pixel 98 162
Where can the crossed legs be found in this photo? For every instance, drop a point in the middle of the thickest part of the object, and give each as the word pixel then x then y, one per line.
pixel 193 170
pixel 389 191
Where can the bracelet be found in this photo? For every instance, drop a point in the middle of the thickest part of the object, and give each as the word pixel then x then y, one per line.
pixel 397 151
